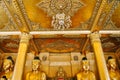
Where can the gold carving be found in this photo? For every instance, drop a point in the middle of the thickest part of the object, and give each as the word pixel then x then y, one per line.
pixel 61 11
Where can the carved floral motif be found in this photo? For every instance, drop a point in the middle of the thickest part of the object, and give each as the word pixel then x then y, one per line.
pixel 60 11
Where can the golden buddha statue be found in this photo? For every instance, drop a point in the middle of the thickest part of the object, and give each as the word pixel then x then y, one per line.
pixel 36 73
pixel 8 65
pixel 85 74
pixel 61 74
pixel 112 68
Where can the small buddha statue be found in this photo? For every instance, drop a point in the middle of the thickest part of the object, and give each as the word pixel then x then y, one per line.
pixel 112 68
pixel 85 74
pixel 36 73
pixel 61 74
pixel 8 65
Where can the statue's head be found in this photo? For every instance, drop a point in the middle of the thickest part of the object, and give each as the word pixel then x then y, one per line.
pixel 112 62
pixel 8 63
pixel 35 63
pixel 60 69
pixel 85 64
pixel 3 78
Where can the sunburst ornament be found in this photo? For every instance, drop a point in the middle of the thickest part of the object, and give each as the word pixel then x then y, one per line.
pixel 60 11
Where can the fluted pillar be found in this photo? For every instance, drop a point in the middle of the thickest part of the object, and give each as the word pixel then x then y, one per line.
pixel 99 55
pixel 20 61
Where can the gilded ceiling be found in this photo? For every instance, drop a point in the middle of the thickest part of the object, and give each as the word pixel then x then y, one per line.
pixel 58 15
pixel 40 16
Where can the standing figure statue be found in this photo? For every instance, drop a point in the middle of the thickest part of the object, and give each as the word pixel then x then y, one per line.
pixel 8 65
pixel 112 68
pixel 36 73
pixel 86 74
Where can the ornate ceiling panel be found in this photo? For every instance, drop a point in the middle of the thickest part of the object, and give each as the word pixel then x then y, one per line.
pixel 41 17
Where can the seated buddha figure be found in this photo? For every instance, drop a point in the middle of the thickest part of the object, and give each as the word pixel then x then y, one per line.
pixel 85 74
pixel 112 68
pixel 36 73
pixel 61 74
pixel 8 64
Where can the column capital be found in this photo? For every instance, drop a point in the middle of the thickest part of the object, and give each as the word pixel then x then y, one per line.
pixel 25 37
pixel 95 36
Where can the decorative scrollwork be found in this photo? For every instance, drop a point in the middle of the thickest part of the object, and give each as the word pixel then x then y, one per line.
pixel 60 6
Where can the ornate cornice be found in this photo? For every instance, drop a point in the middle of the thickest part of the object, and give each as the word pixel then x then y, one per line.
pixel 24 27
pixel 22 7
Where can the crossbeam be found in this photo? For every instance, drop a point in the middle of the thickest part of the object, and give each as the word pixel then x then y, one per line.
pixel 60 32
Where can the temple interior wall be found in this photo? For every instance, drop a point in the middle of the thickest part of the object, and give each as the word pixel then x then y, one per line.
pixel 50 62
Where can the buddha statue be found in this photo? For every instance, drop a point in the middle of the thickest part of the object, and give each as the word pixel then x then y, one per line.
pixel 85 74
pixel 61 74
pixel 8 65
pixel 112 68
pixel 36 73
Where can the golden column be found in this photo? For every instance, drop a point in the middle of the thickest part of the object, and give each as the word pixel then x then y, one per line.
pixel 20 61
pixel 99 55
